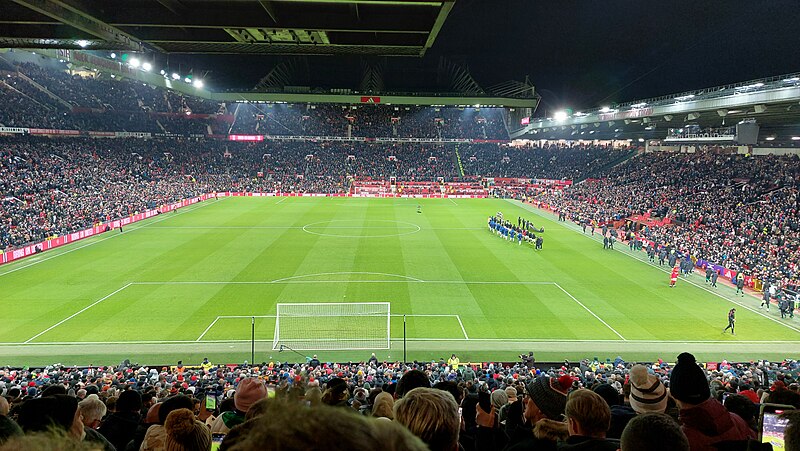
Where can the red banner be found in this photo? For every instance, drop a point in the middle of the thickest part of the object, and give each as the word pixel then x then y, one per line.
pixel 370 99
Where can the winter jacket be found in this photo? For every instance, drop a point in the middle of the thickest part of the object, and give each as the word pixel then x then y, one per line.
pixel 544 437
pixel 620 416
pixel 119 428
pixel 709 422
pixel 581 443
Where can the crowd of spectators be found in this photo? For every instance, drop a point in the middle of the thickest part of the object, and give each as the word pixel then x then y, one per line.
pixel 46 96
pixel 591 404
pixel 553 161
pixel 370 121
pixel 732 210
pixel 50 187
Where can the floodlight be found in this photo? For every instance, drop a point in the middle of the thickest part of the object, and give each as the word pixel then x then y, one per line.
pixel 83 43
pixel 187 80
pixel 198 84
pixel 560 116
pixel 770 138
pixel 795 138
pixel 605 109
pixel 113 55
pixel 134 62
pixel 176 77
pixel 163 72
pixel 147 66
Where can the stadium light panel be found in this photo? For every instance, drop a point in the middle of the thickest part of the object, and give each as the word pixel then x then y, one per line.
pixel 560 116
pixel 605 109
pixel 176 77
pixel 770 138
pixel 792 80
pixel 795 138
pixel 147 66
pixel 134 62
pixel 83 43
pixel 641 140
pixel 163 72
pixel 198 84
pixel 113 55
pixel 187 80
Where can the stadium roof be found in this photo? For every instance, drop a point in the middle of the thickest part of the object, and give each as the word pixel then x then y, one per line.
pixel 308 27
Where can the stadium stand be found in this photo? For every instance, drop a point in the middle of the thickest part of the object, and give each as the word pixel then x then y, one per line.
pixel 499 390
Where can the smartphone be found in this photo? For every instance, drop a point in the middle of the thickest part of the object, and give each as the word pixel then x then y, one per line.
pixel 211 402
pixel 216 441
pixel 771 426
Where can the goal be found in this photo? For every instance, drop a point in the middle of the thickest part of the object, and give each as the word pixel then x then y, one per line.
pixel 332 326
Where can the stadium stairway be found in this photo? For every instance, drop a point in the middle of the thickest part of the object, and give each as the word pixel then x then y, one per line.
pixel 47 92
pixel 608 166
pixel 458 163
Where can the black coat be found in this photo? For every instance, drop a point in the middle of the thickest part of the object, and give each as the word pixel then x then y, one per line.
pixel 119 428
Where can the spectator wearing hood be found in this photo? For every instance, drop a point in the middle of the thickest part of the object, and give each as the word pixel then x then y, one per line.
pixel 119 428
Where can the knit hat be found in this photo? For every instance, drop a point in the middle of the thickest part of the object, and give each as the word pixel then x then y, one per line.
pixel 129 401
pixel 648 394
pixel 688 382
pixel 186 433
pixel 247 393
pixel 608 393
pixel 499 398
pixel 550 394
pixel 41 413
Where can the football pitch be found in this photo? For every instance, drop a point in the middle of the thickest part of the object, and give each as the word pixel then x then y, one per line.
pixel 200 282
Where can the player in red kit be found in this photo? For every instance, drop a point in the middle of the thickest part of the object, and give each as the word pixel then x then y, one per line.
pixel 674 276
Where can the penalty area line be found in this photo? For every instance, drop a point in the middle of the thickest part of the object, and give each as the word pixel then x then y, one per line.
pixel 76 314
pixel 208 328
pixel 588 310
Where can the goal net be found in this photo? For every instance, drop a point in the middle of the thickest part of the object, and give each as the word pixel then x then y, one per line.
pixel 332 326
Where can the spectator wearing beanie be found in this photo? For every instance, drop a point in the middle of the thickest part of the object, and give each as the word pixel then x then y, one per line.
pixel 648 394
pixel 543 406
pixel 247 393
pixel 620 414
pixel 705 421
pixel 185 433
pixel 155 436
pixel 120 427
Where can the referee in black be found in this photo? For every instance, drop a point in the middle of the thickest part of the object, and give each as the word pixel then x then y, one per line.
pixel 731 321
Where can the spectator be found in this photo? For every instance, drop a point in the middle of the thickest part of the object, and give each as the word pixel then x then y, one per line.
pixel 300 429
pixel 648 394
pixel 706 423
pixel 8 427
pixel 620 413
pixel 119 428
pixel 57 411
pixel 588 419
pixel 431 415
pixel 383 406
pixel 411 380
pixel 792 433
pixel 248 392
pixel 184 432
pixel 156 435
pixel 542 411
pixel 653 432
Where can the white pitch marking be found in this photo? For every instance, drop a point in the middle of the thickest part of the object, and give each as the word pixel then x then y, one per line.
pixel 775 320
pixel 112 235
pixel 451 200
pixel 276 203
pixel 207 329
pixel 76 313
pixel 588 310
pixel 462 327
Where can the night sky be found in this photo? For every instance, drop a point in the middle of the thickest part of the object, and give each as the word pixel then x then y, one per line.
pixel 578 53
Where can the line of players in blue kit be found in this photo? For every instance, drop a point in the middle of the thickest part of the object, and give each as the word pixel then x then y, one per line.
pixel 523 231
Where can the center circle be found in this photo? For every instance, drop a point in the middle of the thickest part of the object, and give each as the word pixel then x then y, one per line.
pixel 372 228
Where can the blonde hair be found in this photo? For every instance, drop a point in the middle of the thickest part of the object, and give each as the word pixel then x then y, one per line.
pixel 383 406
pixel 431 415
pixel 589 410
pixel 313 396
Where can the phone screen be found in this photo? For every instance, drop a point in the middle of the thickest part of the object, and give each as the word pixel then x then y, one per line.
pixel 211 402
pixel 772 429
pixel 216 441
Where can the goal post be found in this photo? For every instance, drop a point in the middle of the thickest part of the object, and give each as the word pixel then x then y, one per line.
pixel 332 326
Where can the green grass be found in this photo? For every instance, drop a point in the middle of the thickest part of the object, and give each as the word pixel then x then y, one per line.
pixel 152 293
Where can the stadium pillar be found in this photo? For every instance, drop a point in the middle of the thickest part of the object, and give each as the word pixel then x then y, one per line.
pixel 252 340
